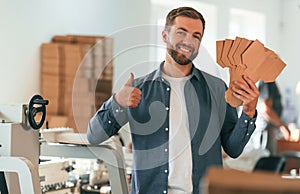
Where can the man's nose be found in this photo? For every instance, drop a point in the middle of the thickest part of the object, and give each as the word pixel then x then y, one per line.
pixel 188 39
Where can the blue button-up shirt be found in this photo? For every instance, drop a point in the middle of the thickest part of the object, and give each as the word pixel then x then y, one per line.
pixel 212 122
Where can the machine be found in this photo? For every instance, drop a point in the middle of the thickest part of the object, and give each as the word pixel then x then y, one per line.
pixel 19 145
pixel 21 149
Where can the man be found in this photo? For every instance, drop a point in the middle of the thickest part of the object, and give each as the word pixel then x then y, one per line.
pixel 177 114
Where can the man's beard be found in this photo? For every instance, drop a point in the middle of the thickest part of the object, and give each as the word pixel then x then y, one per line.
pixel 180 58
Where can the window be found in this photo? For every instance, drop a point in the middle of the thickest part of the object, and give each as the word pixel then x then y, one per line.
pixel 248 24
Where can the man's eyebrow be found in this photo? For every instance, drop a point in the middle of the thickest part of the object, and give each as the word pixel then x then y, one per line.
pixel 199 33
pixel 181 28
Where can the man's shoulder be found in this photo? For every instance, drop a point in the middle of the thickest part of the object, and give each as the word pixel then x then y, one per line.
pixel 211 78
pixel 145 78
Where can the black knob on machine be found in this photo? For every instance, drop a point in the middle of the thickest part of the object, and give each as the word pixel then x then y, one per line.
pixel 37 108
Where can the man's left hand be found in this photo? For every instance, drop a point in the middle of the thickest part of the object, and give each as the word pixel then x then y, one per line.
pixel 248 93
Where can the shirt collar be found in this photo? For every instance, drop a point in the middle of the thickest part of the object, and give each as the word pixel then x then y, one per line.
pixel 158 74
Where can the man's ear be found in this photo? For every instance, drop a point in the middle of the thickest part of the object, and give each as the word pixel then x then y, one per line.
pixel 164 36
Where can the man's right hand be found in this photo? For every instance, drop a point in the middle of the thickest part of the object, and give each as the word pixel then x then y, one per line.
pixel 128 96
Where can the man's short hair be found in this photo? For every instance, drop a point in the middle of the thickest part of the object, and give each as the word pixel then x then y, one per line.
pixel 183 11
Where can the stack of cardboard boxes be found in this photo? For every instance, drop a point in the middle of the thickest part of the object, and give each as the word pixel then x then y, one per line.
pixel 77 76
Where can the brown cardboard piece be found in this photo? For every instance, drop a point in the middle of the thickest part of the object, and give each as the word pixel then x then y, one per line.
pixel 254 56
pixel 233 49
pixel 244 44
pixel 272 63
pixel 235 73
pixel 220 46
pixel 251 58
pixel 226 48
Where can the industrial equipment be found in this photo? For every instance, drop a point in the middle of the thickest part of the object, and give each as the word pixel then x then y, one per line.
pixel 19 145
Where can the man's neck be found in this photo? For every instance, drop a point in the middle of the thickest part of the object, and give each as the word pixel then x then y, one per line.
pixel 173 69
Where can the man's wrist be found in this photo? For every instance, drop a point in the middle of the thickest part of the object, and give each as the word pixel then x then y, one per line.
pixel 115 97
pixel 251 114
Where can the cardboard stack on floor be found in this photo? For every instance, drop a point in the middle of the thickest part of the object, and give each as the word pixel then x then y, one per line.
pixel 247 57
pixel 77 75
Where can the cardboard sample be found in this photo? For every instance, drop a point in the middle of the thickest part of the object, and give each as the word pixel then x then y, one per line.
pixel 233 49
pixel 220 46
pixel 225 51
pixel 247 57
pixel 244 44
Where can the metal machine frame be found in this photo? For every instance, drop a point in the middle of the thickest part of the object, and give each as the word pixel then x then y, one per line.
pixel 112 158
pixel 20 150
pixel 27 173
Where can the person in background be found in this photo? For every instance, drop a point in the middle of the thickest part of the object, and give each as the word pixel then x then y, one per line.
pixel 178 116
pixel 269 117
pixel 269 128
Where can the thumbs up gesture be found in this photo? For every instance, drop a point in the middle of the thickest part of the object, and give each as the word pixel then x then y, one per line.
pixel 128 96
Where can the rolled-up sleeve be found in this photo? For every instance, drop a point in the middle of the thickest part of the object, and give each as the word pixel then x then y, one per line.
pixel 106 122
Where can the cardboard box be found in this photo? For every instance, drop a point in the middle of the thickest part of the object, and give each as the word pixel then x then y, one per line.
pixel 78 124
pixel 78 62
pixel 51 58
pixel 104 86
pixel 227 181
pixel 51 91
pixel 56 121
pixel 63 39
pixel 86 39
pixel 77 39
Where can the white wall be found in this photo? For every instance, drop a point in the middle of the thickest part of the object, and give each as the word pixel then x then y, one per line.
pixel 25 25
pixel 290 42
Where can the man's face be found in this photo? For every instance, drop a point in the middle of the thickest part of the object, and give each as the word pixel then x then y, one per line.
pixel 183 39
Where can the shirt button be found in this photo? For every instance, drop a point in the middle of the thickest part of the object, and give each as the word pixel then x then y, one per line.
pixel 166 171
pixel 109 122
pixel 117 110
pixel 247 134
pixel 166 129
pixel 251 122
pixel 167 108
pixel 162 79
pixel 164 191
pixel 245 121
pixel 168 89
pixel 166 150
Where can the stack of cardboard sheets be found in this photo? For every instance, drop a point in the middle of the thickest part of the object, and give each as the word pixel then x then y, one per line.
pixel 77 74
pixel 247 57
